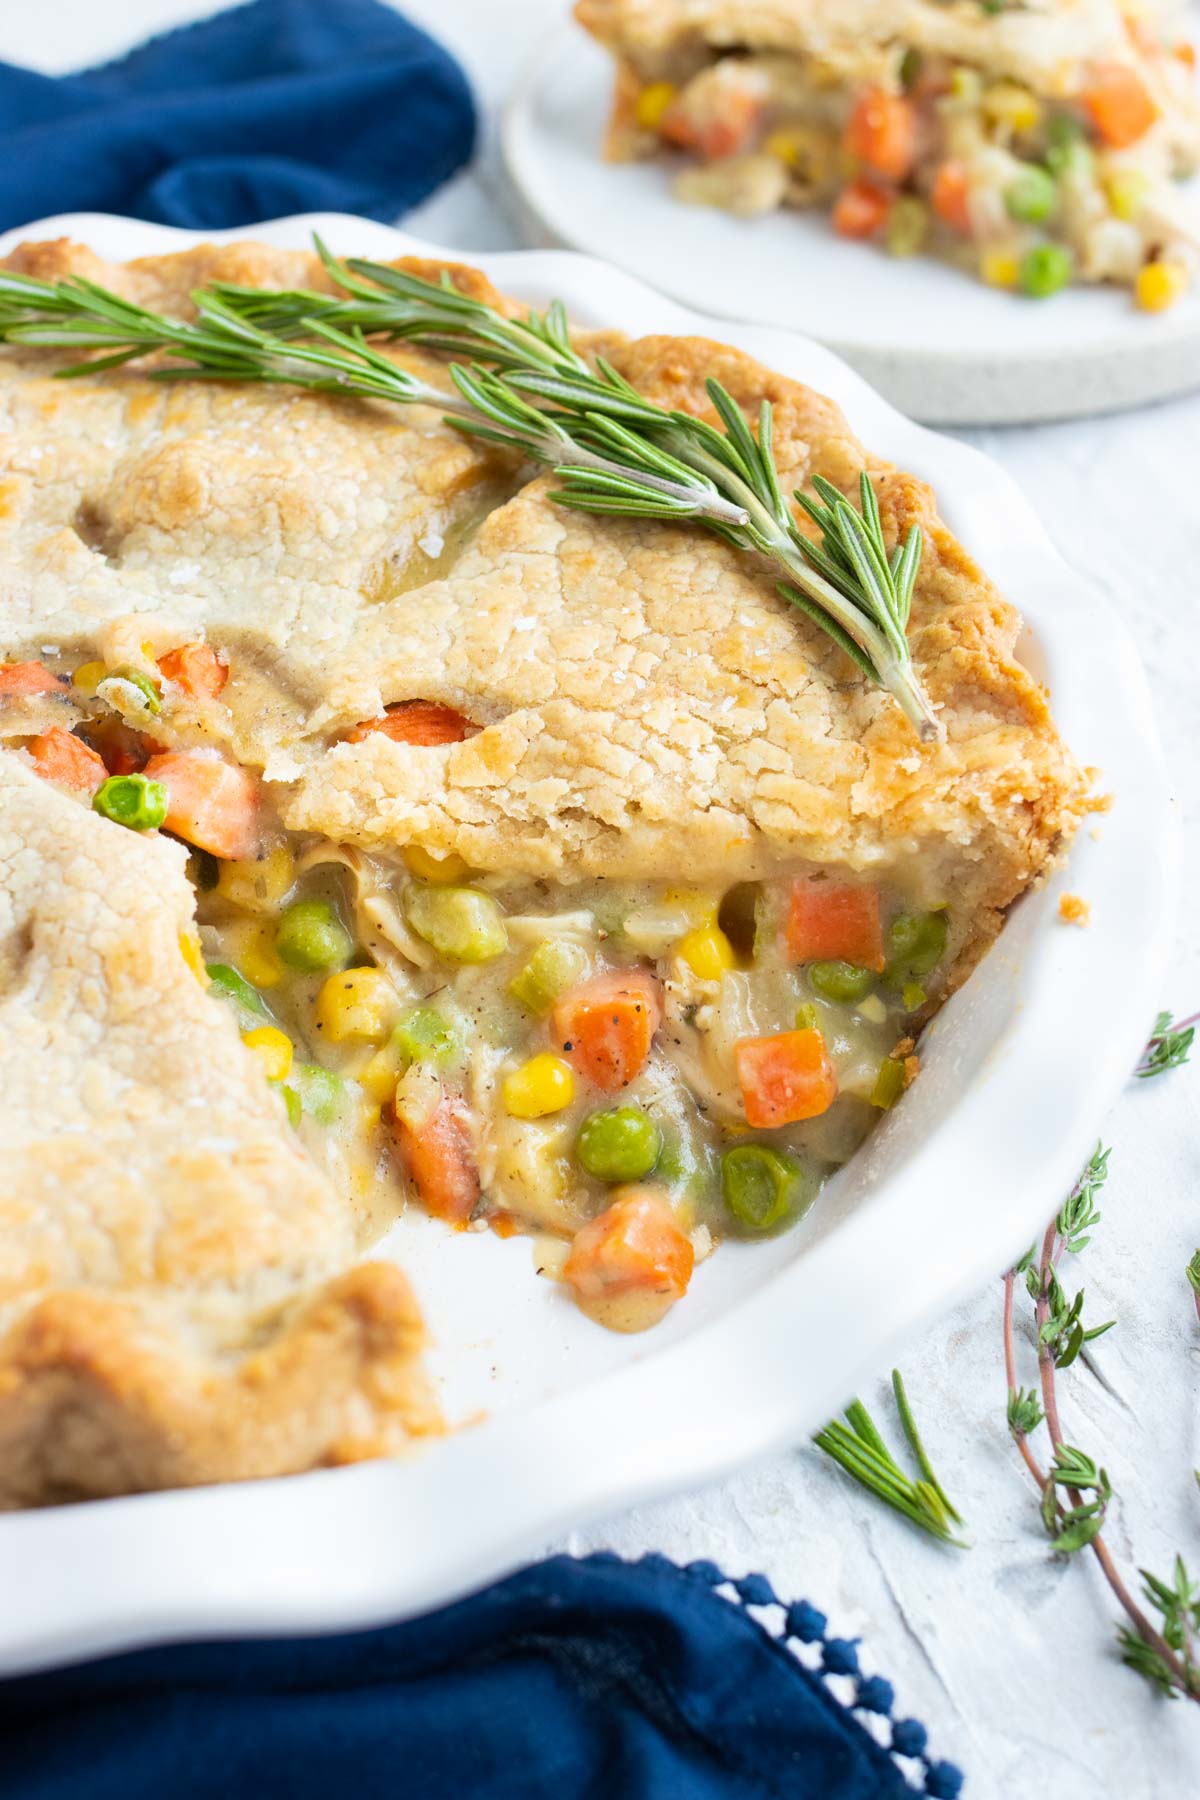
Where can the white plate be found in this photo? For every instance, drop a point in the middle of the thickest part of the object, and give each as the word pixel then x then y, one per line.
pixel 1019 1071
pixel 936 342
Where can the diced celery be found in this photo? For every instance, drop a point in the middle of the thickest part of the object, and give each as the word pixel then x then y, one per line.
pixel 323 1095
pixel 246 1001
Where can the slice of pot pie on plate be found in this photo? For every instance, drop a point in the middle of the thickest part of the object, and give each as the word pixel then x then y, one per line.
pixel 1031 144
pixel 376 827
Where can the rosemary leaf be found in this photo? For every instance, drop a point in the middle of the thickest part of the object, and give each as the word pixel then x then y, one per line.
pixel 519 382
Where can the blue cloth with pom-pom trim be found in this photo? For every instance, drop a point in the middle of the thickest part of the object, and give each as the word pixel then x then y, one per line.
pixel 577 1677
pixel 279 106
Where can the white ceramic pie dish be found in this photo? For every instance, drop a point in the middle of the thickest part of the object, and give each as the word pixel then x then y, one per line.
pixel 935 341
pixel 1019 1071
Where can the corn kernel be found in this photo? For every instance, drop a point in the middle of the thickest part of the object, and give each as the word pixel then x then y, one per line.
pixel 427 867
pixel 1006 103
pixel 707 952
pixel 1000 268
pixel 356 1003
pixel 273 1048
pixel 88 676
pixel 1127 191
pixel 251 949
pixel 699 906
pixel 652 103
pixel 1160 285
pixel 193 956
pixel 380 1075
pixel 785 146
pixel 260 883
pixel 545 1084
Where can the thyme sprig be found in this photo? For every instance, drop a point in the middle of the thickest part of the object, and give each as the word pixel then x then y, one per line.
pixel 1075 1492
pixel 858 1446
pixel 520 383
pixel 1169 1047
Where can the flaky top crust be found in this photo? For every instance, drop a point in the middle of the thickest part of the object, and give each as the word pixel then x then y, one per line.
pixel 1046 44
pixel 647 705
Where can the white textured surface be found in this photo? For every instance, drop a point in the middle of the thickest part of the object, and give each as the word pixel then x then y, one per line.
pixel 1004 1653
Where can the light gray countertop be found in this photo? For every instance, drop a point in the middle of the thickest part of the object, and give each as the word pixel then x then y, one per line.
pixel 1005 1652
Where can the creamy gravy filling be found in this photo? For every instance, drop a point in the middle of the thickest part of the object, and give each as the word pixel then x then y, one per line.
pixel 535 1058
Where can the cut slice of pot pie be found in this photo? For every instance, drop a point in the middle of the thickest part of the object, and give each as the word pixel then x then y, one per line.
pixel 374 826
pixel 1033 144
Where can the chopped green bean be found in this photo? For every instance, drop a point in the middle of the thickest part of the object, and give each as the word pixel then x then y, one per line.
pixel 556 964
pixel 461 923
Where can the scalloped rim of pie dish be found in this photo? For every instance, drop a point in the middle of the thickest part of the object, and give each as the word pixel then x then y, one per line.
pixel 1023 1062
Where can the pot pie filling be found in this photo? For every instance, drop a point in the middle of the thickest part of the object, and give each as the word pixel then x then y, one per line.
pixel 373 828
pixel 1028 147
pixel 633 1068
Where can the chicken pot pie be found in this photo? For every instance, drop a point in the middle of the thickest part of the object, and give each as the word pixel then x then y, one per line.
pixel 373 826
pixel 1034 143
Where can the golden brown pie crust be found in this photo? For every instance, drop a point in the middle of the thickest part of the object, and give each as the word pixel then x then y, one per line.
pixel 180 1293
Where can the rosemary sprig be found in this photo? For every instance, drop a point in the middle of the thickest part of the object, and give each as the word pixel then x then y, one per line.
pixel 522 384
pixel 1169 1047
pixel 860 1449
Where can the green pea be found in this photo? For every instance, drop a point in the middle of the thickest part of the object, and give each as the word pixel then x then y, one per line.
pixel 765 1188
pixel 460 923
pixel 913 996
pixel 911 64
pixel 151 699
pixel 132 800
pixel 889 1084
pixel 310 936
pixel 323 1096
pixel 1032 196
pixel 622 1144
pixel 231 986
pixel 1046 270
pixel 841 982
pixel 916 944
pixel 422 1035
pixel 556 964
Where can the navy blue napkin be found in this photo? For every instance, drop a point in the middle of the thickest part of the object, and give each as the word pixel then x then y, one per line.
pixel 281 106
pixel 589 1679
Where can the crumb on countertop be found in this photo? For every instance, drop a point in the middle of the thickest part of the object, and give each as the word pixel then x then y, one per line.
pixel 1073 910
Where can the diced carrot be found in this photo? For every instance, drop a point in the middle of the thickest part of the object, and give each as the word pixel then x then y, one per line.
pixel 440 1162
pixel 416 722
pixel 951 197
pixel 861 210
pixel 883 133
pixel 29 678
pixel 606 1025
pixel 210 803
pixel 1186 54
pixel 1119 104
pixel 635 1245
pixel 196 668
pixel 833 921
pixel 60 756
pixel 784 1078
pixel 713 134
